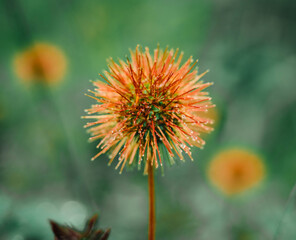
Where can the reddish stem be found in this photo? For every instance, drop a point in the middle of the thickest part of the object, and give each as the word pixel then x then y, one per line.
pixel 151 228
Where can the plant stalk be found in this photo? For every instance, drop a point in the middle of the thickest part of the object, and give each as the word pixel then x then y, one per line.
pixel 151 227
pixel 288 204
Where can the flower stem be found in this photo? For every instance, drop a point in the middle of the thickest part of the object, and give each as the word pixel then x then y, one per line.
pixel 288 204
pixel 151 228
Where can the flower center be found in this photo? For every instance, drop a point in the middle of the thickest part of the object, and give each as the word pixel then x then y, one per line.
pixel 143 110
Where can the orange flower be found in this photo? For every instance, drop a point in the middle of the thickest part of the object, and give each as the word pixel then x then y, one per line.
pixel 149 109
pixel 236 170
pixel 41 62
pixel 212 115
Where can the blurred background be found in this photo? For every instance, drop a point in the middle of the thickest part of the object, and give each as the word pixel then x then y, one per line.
pixel 45 167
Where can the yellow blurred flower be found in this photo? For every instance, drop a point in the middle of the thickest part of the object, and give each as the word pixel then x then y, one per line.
pixel 41 62
pixel 236 170
pixel 211 114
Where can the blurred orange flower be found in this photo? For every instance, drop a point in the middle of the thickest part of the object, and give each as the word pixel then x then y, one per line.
pixel 236 170
pixel 149 108
pixel 41 62
pixel 211 114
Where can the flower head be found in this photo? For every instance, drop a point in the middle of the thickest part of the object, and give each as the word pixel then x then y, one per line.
pixel 41 62
pixel 148 109
pixel 236 170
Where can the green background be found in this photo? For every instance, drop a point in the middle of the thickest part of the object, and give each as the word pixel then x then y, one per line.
pixel 45 168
